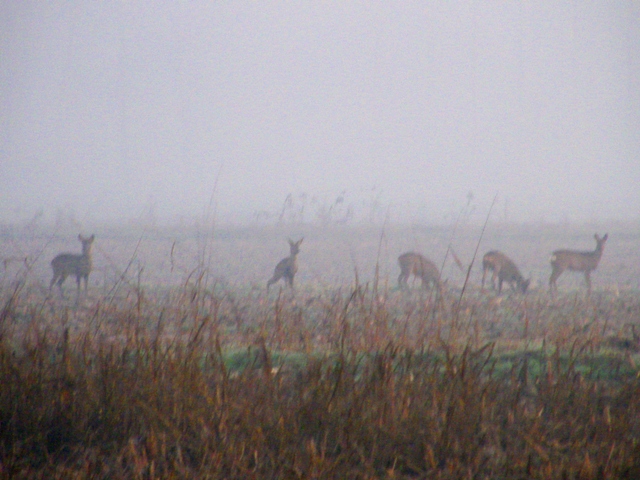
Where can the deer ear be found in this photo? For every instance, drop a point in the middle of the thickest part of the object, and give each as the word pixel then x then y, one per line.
pixel 606 235
pixel 92 238
pixel 300 241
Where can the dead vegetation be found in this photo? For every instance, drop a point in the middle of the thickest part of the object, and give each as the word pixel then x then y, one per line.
pixel 355 383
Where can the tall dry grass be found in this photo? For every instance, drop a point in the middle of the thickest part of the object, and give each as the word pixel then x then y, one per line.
pixel 361 383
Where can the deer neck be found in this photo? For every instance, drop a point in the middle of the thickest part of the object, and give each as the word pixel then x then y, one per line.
pixel 597 253
pixel 86 254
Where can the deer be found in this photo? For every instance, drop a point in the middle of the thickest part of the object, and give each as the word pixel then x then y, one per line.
pixel 287 267
pixel 415 264
pixel 505 269
pixel 576 261
pixel 67 264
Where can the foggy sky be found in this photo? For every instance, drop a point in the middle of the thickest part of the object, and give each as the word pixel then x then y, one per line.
pixel 110 109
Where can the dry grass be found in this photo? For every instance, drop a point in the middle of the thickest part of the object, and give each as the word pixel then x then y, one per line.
pixel 326 384
pixel 210 380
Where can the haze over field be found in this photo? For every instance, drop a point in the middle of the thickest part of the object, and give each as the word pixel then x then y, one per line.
pixel 112 110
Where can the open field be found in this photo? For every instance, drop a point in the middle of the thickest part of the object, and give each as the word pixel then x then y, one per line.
pixel 330 256
pixel 176 362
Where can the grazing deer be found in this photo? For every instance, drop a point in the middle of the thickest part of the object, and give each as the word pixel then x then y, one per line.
pixel 573 260
pixel 67 264
pixel 506 271
pixel 412 263
pixel 287 267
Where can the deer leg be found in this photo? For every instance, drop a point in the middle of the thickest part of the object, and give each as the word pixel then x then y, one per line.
pixel 59 282
pixel 273 280
pixel 587 277
pixel 484 274
pixel 499 285
pixel 555 273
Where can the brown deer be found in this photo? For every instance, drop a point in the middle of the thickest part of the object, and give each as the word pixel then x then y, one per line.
pixel 412 263
pixel 576 261
pixel 287 267
pixel 67 264
pixel 506 271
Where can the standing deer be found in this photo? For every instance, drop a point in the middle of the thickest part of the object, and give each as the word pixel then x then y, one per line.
pixel 412 263
pixel 573 260
pixel 287 267
pixel 506 271
pixel 67 264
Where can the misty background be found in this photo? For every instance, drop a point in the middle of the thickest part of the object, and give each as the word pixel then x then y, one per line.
pixel 119 110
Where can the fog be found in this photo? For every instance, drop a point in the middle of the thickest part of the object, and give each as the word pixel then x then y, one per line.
pixel 119 110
